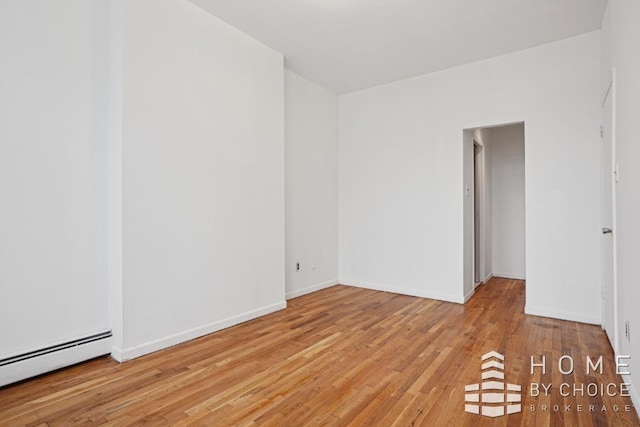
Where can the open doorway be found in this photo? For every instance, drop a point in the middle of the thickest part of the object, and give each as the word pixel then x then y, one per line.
pixel 494 204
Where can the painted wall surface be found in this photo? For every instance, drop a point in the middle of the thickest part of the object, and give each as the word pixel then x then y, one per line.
pixel 508 204
pixel 621 32
pixel 203 175
pixel 401 187
pixel 52 167
pixel 486 232
pixel 311 177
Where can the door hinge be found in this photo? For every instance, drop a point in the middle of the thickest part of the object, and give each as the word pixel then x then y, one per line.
pixel 601 131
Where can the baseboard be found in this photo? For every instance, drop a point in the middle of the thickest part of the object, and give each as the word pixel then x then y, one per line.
pixel 562 315
pixel 469 294
pixel 489 277
pixel 171 340
pixel 635 397
pixel 117 354
pixel 310 289
pixel 509 276
pixel 403 291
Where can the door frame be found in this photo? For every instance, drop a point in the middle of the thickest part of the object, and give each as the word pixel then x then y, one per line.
pixel 478 217
pixel 610 93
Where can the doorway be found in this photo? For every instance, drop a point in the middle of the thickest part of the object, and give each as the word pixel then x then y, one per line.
pixel 494 204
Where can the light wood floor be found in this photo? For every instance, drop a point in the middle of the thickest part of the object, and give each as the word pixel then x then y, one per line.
pixel 341 356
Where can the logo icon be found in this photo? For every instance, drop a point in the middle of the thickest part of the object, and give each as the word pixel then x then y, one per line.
pixel 493 397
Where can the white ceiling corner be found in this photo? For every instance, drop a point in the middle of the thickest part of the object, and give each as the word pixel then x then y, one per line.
pixel 347 45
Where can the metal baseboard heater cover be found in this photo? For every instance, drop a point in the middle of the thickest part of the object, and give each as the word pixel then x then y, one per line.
pixel 22 366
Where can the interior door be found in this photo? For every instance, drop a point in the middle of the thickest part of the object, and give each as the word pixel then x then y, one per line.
pixel 608 214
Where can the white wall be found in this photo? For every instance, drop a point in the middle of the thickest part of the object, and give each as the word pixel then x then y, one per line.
pixel 311 181
pixel 620 35
pixel 113 101
pixel 52 174
pixel 487 218
pixel 508 220
pixel 203 175
pixel 401 178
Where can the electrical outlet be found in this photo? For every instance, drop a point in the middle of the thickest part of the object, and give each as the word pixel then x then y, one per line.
pixel 297 266
pixel 627 331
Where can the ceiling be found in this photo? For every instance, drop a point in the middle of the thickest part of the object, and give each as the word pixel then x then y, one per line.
pixel 347 45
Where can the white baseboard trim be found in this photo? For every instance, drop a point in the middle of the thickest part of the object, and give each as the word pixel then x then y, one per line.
pixel 171 340
pixel 309 289
pixel 116 354
pixel 489 277
pixel 404 291
pixel 509 276
pixel 469 294
pixel 635 396
pixel 562 315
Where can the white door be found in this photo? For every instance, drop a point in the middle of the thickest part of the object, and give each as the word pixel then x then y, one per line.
pixel 608 215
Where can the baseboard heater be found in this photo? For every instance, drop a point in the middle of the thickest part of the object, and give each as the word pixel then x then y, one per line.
pixel 36 362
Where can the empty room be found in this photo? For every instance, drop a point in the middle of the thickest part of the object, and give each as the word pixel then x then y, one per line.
pixel 319 212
